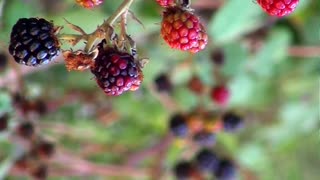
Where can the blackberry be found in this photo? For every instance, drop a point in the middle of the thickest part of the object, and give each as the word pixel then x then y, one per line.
pixel 183 170
pixel 178 125
pixel 218 57
pixel 3 61
pixel 226 170
pixel 25 130
pixel 40 172
pixel 163 83
pixel 116 71
pixel 206 161
pixel 33 42
pixel 205 138
pixel 44 149
pixel 196 86
pixel 232 122
pixel 4 122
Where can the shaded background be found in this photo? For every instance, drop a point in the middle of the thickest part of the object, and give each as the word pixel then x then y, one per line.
pixel 272 69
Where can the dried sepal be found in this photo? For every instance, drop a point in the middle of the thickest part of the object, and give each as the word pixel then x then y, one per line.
pixel 79 60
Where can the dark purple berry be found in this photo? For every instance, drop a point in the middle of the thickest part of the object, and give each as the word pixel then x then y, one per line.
pixel 3 61
pixel 25 130
pixel 207 161
pixel 33 42
pixel 205 138
pixel 40 172
pixel 4 121
pixel 183 170
pixel 163 83
pixel 232 122
pixel 226 170
pixel 218 57
pixel 178 125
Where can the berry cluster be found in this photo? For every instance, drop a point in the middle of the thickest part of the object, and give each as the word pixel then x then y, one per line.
pixel 206 162
pixel 89 3
pixel 203 126
pixel 278 8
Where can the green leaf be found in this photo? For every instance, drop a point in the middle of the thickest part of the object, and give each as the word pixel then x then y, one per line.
pixel 234 19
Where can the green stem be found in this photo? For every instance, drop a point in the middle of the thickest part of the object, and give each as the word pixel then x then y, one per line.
pixel 121 9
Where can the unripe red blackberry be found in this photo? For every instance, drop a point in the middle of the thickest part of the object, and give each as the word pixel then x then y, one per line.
pixel 165 3
pixel 4 121
pixel 195 85
pixel 116 71
pixel 178 125
pixel 89 3
pixel 25 130
pixel 183 30
pixel 278 7
pixel 226 170
pixel 207 161
pixel 220 95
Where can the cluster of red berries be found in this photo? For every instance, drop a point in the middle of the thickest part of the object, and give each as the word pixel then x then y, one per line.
pixel 206 162
pixel 203 126
pixel 181 28
pixel 278 7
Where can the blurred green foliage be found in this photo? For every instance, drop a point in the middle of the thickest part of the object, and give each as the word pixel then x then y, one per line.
pixel 277 93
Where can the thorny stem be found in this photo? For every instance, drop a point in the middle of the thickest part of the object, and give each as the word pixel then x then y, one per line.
pixel 105 27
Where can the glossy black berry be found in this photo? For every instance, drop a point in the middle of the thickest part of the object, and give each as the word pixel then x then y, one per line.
pixel 25 130
pixel 163 83
pixel 183 170
pixel 4 121
pixel 3 61
pixel 232 122
pixel 226 170
pixel 178 125
pixel 33 42
pixel 205 138
pixel 207 161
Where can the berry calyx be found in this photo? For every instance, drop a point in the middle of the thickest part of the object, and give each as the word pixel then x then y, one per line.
pixel 220 95
pixel 278 8
pixel 178 125
pixel 165 3
pixel 34 42
pixel 89 3
pixel 79 60
pixel 116 71
pixel 183 30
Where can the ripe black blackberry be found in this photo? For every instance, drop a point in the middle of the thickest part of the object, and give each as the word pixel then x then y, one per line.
pixel 40 172
pixel 33 42
pixel 205 138
pixel 44 149
pixel 25 130
pixel 178 125
pixel 206 161
pixel 4 121
pixel 3 61
pixel 163 83
pixel 183 170
pixel 218 57
pixel 232 122
pixel 116 71
pixel 226 170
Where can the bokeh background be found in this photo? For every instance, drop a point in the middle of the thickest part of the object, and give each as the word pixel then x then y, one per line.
pixel 271 66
